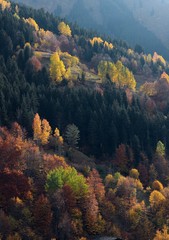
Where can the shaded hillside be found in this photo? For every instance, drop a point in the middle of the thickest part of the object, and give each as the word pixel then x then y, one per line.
pixel 153 15
pixel 113 18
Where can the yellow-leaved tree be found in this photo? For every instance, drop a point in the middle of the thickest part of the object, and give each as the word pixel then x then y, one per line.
pixel 46 131
pixel 4 4
pixel 98 40
pixel 41 130
pixel 156 198
pixel 57 68
pixel 117 73
pixel 159 58
pixel 162 235
pixel 37 131
pixel 33 23
pixel 64 29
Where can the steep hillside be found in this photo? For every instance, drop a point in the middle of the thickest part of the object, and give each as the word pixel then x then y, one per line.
pixel 153 15
pixel 115 18
pixel 84 133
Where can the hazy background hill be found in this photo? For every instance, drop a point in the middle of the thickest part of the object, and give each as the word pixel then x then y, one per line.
pixel 154 15
pixel 136 21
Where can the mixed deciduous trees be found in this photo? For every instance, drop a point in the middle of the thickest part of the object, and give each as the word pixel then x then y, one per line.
pixel 41 130
pixel 113 123
pixel 118 74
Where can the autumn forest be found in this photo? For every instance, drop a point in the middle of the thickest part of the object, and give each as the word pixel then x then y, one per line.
pixel 84 132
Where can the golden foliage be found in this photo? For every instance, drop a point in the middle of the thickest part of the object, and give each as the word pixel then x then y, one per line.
pixel 108 45
pixel 157 185
pixel 130 51
pixel 58 137
pixel 96 40
pixel 148 88
pixel 162 235
pixel 156 198
pixel 32 22
pixel 57 68
pixel 46 131
pixel 165 75
pixel 64 29
pixel 99 41
pixel 68 74
pixel 157 58
pixel 18 201
pixel 41 129
pixel 68 59
pixel 5 4
pixel 118 73
pixel 134 173
pixel 37 131
pixel 57 132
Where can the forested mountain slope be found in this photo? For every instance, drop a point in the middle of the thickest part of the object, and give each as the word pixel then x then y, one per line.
pixel 84 132
pixel 124 20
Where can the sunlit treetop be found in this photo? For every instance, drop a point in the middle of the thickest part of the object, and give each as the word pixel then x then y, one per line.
pixel 32 22
pixel 60 177
pixel 156 198
pixel 57 68
pixel 157 58
pixel 163 234
pixel 118 73
pixel 108 45
pixel 165 75
pixel 5 4
pixel 98 40
pixel 64 29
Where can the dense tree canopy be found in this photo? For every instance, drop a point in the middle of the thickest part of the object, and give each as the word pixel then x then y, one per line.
pixel 116 181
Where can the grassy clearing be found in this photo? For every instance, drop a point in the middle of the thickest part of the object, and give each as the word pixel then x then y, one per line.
pixel 76 71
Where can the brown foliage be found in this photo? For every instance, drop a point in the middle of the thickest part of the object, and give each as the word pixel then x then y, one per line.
pixel 12 185
pixel 11 150
pixel 53 161
pixel 96 183
pixel 144 177
pixel 91 212
pixel 43 215
pixel 37 66
pixel 123 158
